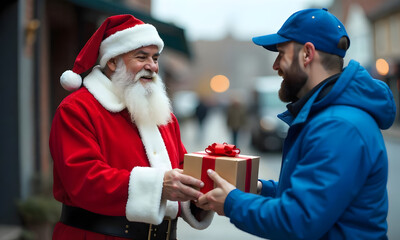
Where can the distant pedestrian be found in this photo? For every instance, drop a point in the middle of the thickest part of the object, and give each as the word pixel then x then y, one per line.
pixel 236 118
pixel 201 112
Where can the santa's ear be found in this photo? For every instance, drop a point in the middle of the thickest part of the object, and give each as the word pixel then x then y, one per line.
pixel 112 64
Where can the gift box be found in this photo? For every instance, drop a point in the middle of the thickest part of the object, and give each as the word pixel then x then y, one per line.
pixel 239 170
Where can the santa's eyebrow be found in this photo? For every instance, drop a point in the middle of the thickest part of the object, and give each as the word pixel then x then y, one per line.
pixel 146 53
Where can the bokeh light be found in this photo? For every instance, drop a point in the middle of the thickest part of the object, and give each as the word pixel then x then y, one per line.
pixel 382 66
pixel 219 83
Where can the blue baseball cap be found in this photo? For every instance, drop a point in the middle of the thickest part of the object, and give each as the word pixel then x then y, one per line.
pixel 317 26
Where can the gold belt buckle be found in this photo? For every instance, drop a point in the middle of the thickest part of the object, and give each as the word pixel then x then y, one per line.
pixel 168 229
pixel 150 230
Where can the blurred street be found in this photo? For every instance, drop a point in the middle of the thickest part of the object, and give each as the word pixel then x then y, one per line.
pixel 215 130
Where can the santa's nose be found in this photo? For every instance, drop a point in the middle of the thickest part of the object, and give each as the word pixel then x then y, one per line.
pixel 151 66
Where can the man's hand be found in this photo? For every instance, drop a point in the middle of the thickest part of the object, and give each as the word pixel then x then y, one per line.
pixel 180 187
pixel 215 199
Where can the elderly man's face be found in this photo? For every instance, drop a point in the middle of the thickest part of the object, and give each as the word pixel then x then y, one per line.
pixel 136 82
pixel 144 58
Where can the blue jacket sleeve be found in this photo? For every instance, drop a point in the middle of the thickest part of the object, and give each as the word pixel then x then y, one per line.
pixel 324 180
pixel 268 188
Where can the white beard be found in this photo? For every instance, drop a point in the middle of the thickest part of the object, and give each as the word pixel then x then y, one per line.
pixel 147 104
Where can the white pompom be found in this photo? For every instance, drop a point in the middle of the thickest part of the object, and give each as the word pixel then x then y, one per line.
pixel 70 81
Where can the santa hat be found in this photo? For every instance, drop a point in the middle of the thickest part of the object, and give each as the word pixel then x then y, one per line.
pixel 117 35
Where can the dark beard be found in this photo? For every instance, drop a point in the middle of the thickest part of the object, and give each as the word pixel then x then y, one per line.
pixel 294 80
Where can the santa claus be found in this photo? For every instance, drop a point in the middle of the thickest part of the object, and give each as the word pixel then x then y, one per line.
pixel 116 144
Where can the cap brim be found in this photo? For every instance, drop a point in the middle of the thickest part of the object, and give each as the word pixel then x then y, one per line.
pixel 270 41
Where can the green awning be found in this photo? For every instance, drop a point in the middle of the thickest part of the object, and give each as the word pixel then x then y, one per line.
pixel 173 36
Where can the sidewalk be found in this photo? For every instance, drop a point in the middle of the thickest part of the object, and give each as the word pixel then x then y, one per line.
pixel 8 232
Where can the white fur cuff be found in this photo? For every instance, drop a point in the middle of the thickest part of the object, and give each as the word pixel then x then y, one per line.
pixel 192 221
pixel 144 196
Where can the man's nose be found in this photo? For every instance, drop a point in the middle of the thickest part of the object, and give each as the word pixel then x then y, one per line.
pixel 275 66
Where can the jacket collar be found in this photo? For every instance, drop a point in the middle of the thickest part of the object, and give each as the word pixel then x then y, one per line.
pixel 301 117
pixel 326 85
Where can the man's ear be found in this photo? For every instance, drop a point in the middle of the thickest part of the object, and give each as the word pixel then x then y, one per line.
pixel 308 53
pixel 112 64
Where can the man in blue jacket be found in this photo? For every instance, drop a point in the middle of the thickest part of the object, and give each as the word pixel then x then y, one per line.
pixel 334 170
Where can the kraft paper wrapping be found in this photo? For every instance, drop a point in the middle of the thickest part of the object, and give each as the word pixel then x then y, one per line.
pixel 241 170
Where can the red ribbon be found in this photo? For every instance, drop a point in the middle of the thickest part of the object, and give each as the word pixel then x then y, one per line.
pixel 209 163
pixel 248 175
pixel 222 149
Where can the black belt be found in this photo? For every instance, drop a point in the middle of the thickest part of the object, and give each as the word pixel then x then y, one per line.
pixel 117 226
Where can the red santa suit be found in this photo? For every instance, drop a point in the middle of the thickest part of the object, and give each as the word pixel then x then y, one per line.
pixel 106 164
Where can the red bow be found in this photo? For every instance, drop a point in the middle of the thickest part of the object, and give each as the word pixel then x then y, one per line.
pixel 223 149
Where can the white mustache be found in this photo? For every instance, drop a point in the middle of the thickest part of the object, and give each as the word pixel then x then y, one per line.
pixel 144 73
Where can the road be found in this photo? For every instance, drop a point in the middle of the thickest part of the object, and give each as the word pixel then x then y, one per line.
pixel 393 148
pixel 215 130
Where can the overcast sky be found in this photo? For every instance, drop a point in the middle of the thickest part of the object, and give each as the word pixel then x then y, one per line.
pixel 244 19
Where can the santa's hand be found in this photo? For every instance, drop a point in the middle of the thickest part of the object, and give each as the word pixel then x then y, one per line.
pixel 180 187
pixel 215 199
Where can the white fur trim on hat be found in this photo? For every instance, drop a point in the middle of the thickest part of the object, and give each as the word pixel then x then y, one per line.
pixel 127 40
pixel 192 221
pixel 70 81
